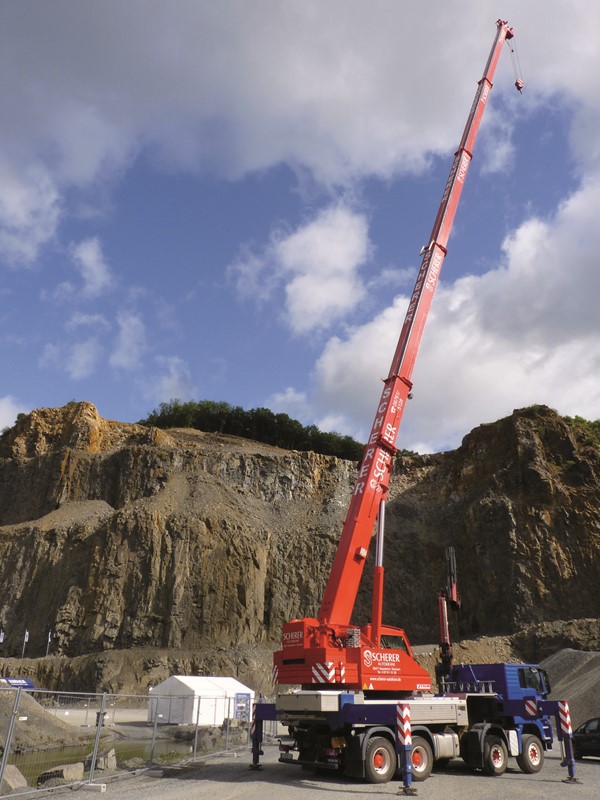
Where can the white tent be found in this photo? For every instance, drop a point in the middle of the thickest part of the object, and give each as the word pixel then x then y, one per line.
pixel 199 700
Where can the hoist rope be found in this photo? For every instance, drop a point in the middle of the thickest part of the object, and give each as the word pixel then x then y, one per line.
pixel 514 57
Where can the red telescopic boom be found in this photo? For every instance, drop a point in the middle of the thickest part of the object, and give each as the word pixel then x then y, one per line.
pixel 376 465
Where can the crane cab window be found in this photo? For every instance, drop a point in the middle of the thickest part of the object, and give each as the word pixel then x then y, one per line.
pixel 393 643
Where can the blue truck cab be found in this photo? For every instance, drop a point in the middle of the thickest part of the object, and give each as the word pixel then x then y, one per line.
pixel 509 681
pixel 517 702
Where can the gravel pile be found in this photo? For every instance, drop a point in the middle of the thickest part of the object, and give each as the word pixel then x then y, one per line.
pixel 575 676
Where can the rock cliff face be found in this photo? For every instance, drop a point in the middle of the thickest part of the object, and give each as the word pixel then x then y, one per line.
pixel 117 536
pixel 520 501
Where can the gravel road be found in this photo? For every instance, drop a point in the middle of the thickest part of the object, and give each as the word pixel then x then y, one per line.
pixel 229 778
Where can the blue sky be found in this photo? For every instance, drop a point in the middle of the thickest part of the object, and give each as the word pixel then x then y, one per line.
pixel 227 200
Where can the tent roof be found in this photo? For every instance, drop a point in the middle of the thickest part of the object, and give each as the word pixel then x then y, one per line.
pixel 210 686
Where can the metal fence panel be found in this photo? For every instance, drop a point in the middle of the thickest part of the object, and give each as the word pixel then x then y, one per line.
pixel 41 749
pixel 62 738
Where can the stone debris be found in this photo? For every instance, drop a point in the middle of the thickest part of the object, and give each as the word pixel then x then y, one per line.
pixel 12 780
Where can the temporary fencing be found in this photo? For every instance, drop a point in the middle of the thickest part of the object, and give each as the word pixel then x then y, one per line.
pixel 64 738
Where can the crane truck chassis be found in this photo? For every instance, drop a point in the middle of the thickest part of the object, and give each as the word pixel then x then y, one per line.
pixel 354 680
pixel 486 713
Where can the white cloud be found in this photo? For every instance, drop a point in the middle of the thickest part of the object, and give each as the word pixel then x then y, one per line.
pixel 336 423
pixel 523 333
pixel 30 207
pixel 317 264
pixel 9 408
pixel 235 88
pixel 496 152
pixel 95 273
pixel 349 370
pixel 65 291
pixel 290 401
pixel 81 320
pixel 78 360
pixel 254 274
pixel 130 344
pixel 322 260
pixel 50 356
pixel 240 87
pixel 173 382
pixel 92 143
pixel 82 358
pixel 392 278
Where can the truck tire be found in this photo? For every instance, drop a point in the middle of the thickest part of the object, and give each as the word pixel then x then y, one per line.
pixel 495 756
pixel 422 759
pixel 532 758
pixel 380 760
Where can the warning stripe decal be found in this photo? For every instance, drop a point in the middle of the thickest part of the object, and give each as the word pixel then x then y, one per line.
pixel 403 725
pixel 323 673
pixel 531 707
pixel 565 717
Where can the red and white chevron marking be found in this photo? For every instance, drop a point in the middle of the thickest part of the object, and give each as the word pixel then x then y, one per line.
pixel 341 673
pixel 403 725
pixel 565 717
pixel 253 725
pixel 531 707
pixel 323 673
pixel 275 675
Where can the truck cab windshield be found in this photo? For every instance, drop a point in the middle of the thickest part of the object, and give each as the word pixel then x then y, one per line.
pixel 531 678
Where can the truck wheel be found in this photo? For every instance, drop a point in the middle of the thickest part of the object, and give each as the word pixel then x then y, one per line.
pixel 495 756
pixel 422 759
pixel 532 758
pixel 380 760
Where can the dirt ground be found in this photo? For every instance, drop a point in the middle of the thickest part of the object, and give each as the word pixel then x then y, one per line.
pixel 229 778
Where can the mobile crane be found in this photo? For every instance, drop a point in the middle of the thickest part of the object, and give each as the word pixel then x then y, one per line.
pixel 352 677
pixel 329 649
